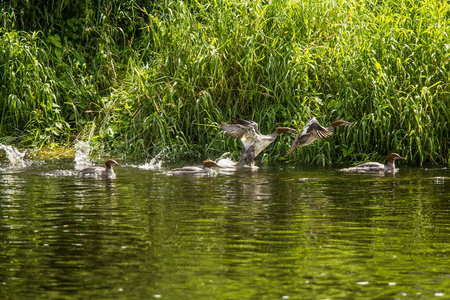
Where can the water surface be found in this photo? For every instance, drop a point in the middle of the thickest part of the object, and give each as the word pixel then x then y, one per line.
pixel 283 231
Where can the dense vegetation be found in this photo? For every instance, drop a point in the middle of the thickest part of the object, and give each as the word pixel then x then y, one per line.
pixel 137 77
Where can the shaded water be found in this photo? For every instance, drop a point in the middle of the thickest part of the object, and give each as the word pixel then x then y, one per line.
pixel 279 232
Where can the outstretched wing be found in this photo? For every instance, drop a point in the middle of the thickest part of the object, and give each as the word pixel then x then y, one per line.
pixel 311 132
pixel 317 130
pixel 246 123
pixel 247 131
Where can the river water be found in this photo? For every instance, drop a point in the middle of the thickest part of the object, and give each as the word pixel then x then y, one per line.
pixel 283 231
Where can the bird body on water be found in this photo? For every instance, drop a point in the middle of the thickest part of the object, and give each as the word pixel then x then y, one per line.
pixel 370 167
pixel 101 172
pixel 190 170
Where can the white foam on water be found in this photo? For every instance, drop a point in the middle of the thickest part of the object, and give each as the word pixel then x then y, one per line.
pixel 14 156
pixel 229 165
pixel 226 163
pixel 82 151
pixel 154 163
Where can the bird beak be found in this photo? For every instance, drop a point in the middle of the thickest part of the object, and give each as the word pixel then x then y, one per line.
pixel 292 150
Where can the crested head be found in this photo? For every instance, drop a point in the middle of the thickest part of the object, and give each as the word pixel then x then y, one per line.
pixel 285 130
pixel 210 164
pixel 394 156
pixel 339 123
pixel 111 162
pixel 391 158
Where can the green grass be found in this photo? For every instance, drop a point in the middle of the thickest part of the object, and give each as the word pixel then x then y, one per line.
pixel 137 78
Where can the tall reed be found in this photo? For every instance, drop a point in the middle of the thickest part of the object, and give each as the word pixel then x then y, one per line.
pixel 28 92
pixel 165 74
pixel 382 66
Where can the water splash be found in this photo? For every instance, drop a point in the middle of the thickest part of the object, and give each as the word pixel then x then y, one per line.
pixel 227 163
pixel 82 151
pixel 154 163
pixel 14 156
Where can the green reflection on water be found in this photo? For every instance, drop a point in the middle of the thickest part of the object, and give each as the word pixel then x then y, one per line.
pixel 279 232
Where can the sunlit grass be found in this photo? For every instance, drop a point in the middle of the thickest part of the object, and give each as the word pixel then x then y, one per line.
pixel 169 82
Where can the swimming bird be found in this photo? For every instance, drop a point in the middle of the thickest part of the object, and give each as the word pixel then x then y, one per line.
pixel 107 172
pixel 254 142
pixel 314 131
pixel 375 166
pixel 206 170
